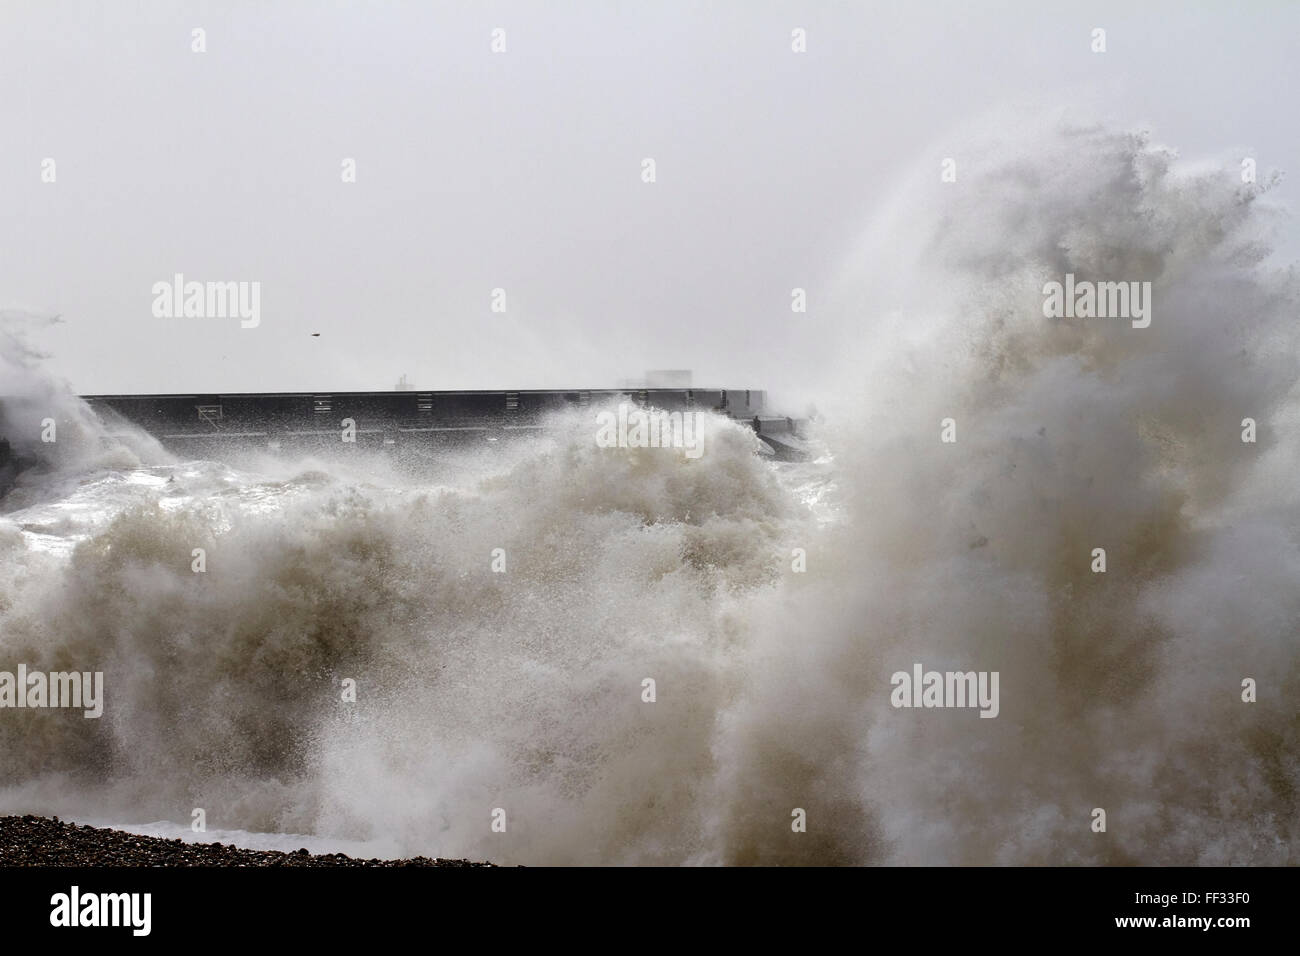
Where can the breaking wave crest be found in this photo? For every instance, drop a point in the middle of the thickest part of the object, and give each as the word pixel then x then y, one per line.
pixel 523 690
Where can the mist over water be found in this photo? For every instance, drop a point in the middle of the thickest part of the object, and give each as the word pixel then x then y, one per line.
pixel 522 690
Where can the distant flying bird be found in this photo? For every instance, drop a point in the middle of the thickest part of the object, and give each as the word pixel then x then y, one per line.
pixel 315 335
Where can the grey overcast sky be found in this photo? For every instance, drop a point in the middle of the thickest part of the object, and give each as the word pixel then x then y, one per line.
pixel 522 170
